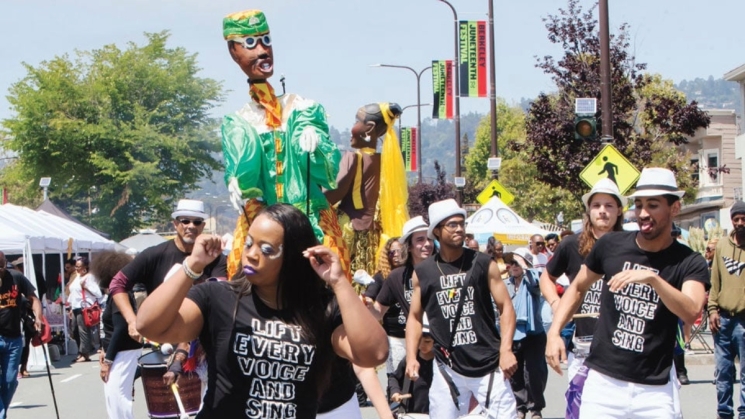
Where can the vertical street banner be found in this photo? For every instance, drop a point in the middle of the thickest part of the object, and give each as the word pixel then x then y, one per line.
pixel 472 62
pixel 409 148
pixel 442 86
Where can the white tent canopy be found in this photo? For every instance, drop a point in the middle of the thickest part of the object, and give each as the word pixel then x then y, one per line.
pixel 46 232
pixel 498 220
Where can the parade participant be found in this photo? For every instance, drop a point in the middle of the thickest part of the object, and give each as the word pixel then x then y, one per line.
pixel 392 303
pixel 529 343
pixel 119 352
pixel 390 257
pixel 552 241
pixel 726 309
pixel 418 402
pixel 367 178
pixel 650 280
pixel 457 289
pixel 603 213
pixel 276 149
pixel 151 267
pixel 13 287
pixel 275 326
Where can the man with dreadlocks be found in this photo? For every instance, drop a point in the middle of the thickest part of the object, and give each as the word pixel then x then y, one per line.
pixel 276 148
pixel 371 193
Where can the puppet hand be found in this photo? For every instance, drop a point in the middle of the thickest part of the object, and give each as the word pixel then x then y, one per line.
pixel 236 195
pixel 362 277
pixel 309 140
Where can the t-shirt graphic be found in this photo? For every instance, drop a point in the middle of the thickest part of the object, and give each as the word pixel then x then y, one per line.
pixel 636 304
pixel 396 295
pixel 734 267
pixel 274 359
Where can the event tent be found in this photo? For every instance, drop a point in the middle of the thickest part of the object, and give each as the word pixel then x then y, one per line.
pixel 142 241
pixel 498 220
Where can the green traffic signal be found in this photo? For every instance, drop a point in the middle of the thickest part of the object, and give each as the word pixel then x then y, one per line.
pixel 585 127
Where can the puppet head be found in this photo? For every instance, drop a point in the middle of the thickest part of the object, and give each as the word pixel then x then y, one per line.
pixel 250 43
pixel 373 121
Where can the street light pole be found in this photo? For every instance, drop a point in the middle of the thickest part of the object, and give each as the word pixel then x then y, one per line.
pixel 402 114
pixel 605 79
pixel 456 92
pixel 418 111
pixel 492 85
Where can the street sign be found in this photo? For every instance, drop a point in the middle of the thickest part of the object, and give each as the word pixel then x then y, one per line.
pixel 611 164
pixel 494 188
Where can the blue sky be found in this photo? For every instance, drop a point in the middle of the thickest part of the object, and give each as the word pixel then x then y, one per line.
pixel 325 47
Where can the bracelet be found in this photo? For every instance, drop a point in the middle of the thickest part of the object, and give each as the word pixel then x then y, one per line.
pixel 191 274
pixel 107 361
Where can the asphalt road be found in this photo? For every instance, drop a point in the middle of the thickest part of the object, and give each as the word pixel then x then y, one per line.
pixel 79 393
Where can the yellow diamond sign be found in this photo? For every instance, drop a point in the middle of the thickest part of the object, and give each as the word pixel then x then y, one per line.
pixel 611 164
pixel 494 188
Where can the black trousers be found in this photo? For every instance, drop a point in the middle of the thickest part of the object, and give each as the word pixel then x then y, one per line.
pixel 529 381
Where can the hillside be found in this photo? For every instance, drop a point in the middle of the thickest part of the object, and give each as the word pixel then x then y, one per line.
pixel 712 93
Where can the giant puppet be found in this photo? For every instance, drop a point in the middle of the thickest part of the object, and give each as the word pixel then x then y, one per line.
pixel 277 149
pixel 372 189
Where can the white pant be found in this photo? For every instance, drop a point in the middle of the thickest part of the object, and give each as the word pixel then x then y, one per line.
pixel 573 365
pixel 604 397
pixel 441 406
pixel 396 353
pixel 349 410
pixel 118 389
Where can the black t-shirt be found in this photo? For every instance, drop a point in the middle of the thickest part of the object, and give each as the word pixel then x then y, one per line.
pixel 116 333
pixel 373 289
pixel 261 366
pixel 151 266
pixel 476 345
pixel 635 334
pixel 341 387
pixel 396 295
pixel 567 260
pixel 10 302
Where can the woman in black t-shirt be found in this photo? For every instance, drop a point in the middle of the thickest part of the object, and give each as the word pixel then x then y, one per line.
pixel 271 333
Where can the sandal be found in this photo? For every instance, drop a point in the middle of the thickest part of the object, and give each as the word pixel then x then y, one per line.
pixel 82 358
pixel 25 374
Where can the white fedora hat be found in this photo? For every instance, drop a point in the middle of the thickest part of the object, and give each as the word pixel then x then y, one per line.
pixel 440 211
pixel 189 208
pixel 605 186
pixel 656 181
pixel 412 226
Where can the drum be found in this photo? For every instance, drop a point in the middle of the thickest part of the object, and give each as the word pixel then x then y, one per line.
pixel 413 416
pixel 159 398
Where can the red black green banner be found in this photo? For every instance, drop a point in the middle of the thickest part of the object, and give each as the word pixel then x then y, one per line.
pixel 442 86
pixel 472 61
pixel 408 148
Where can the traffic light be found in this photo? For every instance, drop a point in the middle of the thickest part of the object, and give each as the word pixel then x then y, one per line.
pixel 585 127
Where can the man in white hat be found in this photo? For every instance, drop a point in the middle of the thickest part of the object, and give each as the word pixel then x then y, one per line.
pixel 455 289
pixel 151 268
pixel 649 281
pixel 603 213
pixel 392 302
pixel 726 307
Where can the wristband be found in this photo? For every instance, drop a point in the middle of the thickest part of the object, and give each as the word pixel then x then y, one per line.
pixel 175 367
pixel 107 361
pixel 191 274
pixel 180 351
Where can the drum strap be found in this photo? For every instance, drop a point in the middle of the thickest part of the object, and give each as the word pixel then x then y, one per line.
pixel 488 390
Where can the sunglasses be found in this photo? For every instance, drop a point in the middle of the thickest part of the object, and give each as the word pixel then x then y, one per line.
pixel 394 252
pixel 540 243
pixel 186 222
pixel 250 42
pixel 710 249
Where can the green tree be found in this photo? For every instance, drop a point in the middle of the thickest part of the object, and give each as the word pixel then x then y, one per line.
pixel 650 119
pixel 131 128
pixel 511 129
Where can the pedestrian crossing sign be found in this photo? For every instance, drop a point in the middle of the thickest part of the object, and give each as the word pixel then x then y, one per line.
pixel 494 188
pixel 611 164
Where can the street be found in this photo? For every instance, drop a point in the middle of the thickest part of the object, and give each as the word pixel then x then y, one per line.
pixel 79 393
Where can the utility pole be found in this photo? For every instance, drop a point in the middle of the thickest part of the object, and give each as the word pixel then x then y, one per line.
pixel 605 77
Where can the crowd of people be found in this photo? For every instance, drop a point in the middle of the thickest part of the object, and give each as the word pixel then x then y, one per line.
pixel 273 326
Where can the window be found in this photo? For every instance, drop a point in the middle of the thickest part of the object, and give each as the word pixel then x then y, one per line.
pixel 696 169
pixel 709 172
